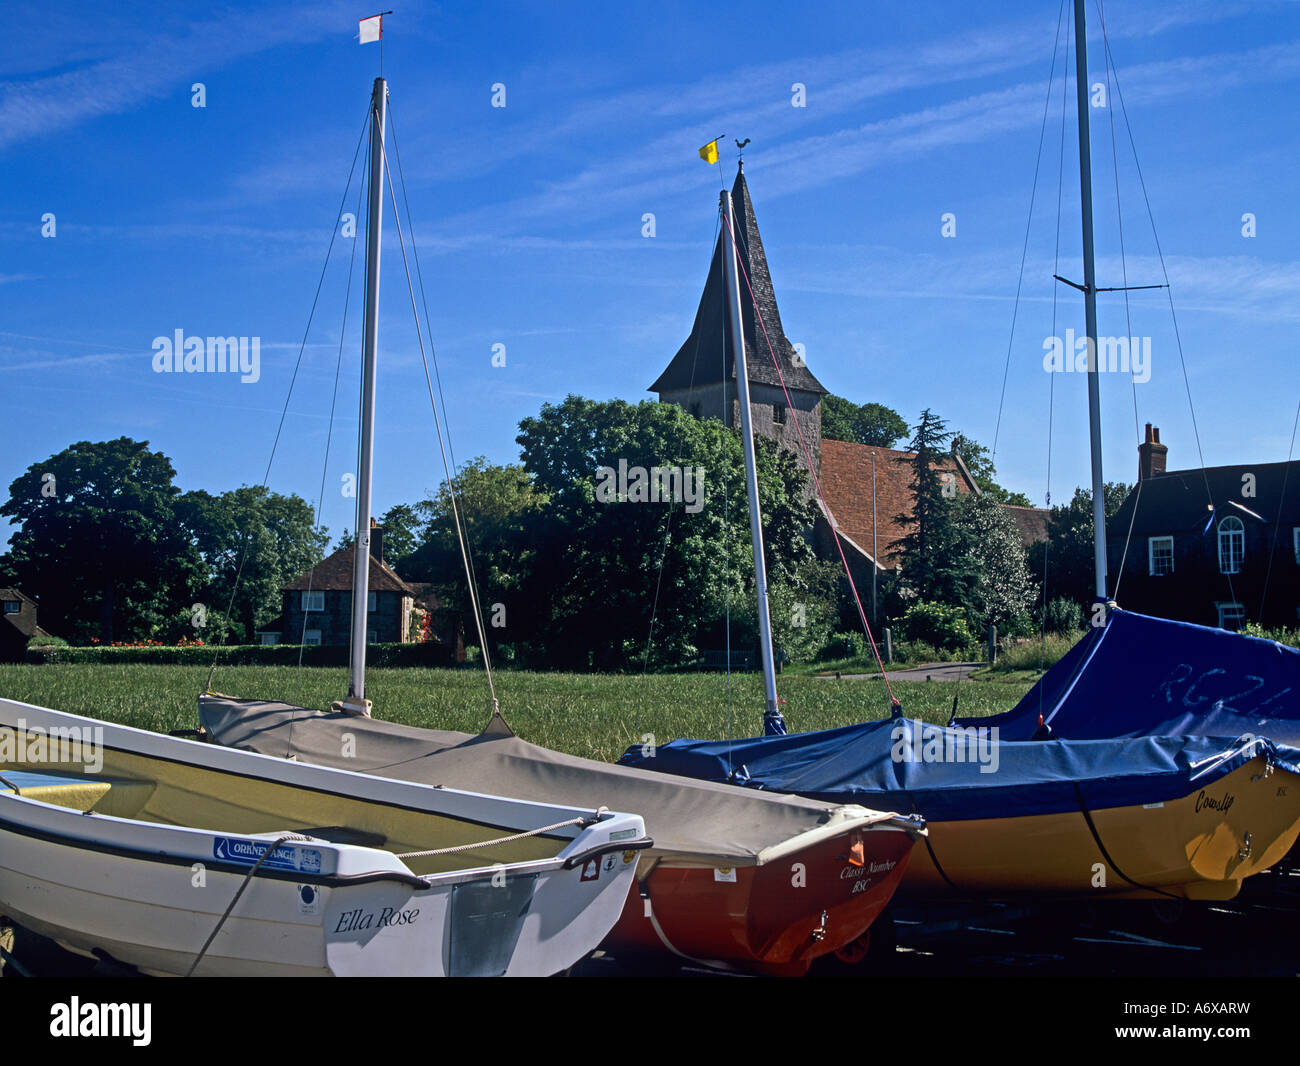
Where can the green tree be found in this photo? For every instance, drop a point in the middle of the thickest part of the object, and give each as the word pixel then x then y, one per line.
pixel 99 541
pixel 605 565
pixel 979 461
pixel 868 423
pixel 936 558
pixel 1068 550
pixel 500 509
pixel 1003 590
pixel 402 526
pixel 271 535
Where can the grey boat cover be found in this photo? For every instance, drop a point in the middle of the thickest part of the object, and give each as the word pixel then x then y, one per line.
pixel 691 822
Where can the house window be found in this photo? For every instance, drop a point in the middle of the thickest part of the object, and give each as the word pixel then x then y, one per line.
pixel 1231 615
pixel 313 601
pixel 778 414
pixel 1295 537
pixel 372 637
pixel 1232 545
pixel 13 606
pixel 311 636
pixel 1160 555
pixel 270 638
pixel 372 602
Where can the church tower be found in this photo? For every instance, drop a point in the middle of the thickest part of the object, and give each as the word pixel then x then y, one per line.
pixel 702 375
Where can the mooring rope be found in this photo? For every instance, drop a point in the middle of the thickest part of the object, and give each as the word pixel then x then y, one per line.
pixel 243 885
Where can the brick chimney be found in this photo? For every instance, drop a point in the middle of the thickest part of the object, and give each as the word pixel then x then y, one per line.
pixel 1151 455
pixel 376 540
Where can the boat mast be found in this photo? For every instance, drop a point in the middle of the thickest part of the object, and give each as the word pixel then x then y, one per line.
pixel 1090 303
pixel 356 700
pixel 773 723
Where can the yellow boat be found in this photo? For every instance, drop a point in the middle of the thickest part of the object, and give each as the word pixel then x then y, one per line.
pixel 1139 817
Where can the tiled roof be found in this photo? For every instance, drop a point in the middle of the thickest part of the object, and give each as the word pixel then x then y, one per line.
pixel 1177 502
pixel 335 575
pixel 706 358
pixel 425 595
pixel 24 622
pixel 1031 522
pixel 846 486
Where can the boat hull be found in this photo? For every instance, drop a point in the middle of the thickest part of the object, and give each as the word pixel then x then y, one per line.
pixel 136 865
pixel 1190 847
pixel 777 918
pixel 1151 817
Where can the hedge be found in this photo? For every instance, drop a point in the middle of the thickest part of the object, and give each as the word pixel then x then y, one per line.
pixel 248 655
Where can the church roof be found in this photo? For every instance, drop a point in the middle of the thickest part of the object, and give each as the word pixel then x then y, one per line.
pixel 706 357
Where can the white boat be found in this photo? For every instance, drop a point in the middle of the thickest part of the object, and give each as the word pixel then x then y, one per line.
pixel 177 857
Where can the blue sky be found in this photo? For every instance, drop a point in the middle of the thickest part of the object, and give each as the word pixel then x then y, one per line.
pixel 215 220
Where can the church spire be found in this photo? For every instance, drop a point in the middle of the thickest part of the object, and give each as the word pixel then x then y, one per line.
pixel 705 357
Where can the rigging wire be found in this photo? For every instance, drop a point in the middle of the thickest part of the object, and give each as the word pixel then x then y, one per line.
pixel 433 351
pixel 1128 319
pixel 1051 378
pixel 442 447
pixel 1277 525
pixel 1169 291
pixel 812 468
pixel 668 529
pixel 266 477
pixel 329 432
pixel 1024 251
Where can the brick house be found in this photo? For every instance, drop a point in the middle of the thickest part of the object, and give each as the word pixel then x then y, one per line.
pixel 317 606
pixel 17 624
pixel 702 379
pixel 1202 539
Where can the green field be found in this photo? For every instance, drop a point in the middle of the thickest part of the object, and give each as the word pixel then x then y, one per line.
pixel 596 716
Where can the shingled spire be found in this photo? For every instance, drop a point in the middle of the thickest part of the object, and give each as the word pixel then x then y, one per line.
pixel 702 375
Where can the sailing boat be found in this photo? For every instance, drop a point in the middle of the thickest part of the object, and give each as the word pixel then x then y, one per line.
pixel 734 879
pixel 118 841
pixel 1145 816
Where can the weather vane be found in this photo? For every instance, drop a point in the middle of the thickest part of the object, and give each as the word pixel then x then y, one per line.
pixel 740 148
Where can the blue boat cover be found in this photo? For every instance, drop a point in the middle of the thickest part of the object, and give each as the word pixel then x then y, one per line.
pixel 1142 676
pixel 958 774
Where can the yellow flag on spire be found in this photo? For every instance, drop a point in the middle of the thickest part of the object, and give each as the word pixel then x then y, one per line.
pixel 709 153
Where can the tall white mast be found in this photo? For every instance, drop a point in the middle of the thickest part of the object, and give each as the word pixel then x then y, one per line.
pixel 1090 303
pixel 356 700
pixel 773 723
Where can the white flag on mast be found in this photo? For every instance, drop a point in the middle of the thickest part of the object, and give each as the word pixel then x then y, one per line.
pixel 372 29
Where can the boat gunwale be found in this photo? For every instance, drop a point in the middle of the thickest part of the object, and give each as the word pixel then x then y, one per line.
pixel 422 882
pixel 209 757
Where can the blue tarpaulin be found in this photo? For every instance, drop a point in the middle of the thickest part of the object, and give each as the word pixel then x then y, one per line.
pixel 1142 676
pixel 955 774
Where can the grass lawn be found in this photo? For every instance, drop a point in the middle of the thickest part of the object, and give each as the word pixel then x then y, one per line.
pixel 596 716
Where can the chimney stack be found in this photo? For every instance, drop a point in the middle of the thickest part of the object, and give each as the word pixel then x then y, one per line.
pixel 1151 455
pixel 377 541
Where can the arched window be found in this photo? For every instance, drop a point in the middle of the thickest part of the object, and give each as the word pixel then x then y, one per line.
pixel 1232 544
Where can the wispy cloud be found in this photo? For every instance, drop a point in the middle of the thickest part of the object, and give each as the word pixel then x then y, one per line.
pixel 149 66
